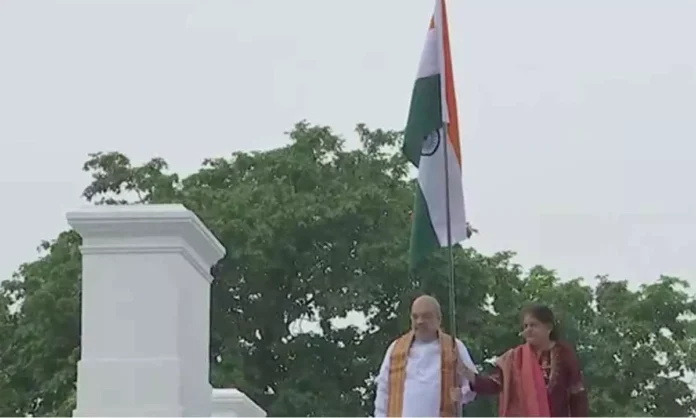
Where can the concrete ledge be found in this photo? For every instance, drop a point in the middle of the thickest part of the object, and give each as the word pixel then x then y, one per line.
pixel 233 403
pixel 140 228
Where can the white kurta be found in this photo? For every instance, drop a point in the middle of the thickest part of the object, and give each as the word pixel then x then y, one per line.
pixel 422 385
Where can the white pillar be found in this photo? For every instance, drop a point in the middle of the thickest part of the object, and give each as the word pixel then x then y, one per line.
pixel 145 311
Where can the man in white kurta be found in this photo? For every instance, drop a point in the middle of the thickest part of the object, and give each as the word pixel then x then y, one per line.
pixel 422 386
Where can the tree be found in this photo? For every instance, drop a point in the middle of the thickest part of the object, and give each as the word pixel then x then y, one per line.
pixel 41 331
pixel 314 231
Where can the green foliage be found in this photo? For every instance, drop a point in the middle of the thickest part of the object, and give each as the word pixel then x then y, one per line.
pixel 40 337
pixel 314 231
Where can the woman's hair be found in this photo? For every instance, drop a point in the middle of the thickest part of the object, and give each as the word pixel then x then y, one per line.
pixel 543 314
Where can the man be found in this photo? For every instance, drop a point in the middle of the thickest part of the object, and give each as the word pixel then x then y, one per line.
pixel 421 373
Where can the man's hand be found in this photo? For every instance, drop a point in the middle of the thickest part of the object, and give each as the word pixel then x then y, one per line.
pixel 465 372
pixel 456 395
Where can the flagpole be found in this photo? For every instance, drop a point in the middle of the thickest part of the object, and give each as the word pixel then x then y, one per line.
pixel 451 300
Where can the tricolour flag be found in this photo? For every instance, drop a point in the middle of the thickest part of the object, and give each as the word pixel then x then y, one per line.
pixel 432 127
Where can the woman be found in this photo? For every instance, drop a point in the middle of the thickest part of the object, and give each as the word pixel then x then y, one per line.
pixel 541 378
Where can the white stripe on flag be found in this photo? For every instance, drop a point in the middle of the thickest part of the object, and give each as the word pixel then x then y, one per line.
pixel 431 177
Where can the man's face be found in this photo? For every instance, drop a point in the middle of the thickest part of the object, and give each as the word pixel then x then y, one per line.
pixel 425 319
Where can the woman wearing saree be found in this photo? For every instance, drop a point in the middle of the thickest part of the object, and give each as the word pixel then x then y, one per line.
pixel 541 378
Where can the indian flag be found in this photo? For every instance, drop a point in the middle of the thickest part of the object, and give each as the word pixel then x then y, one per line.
pixel 431 143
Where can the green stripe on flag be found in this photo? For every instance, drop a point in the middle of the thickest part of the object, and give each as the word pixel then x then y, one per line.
pixel 423 237
pixel 424 116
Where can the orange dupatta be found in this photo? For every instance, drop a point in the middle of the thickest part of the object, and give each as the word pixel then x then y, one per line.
pixel 524 391
pixel 397 374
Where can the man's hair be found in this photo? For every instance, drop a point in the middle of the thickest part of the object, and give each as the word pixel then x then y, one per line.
pixel 433 301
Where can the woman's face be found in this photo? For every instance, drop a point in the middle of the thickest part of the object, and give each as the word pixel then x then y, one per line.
pixel 534 331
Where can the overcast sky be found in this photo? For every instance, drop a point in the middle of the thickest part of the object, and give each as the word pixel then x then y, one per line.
pixel 578 118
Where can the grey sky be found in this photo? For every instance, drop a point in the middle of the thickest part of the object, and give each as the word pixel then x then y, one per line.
pixel 577 117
